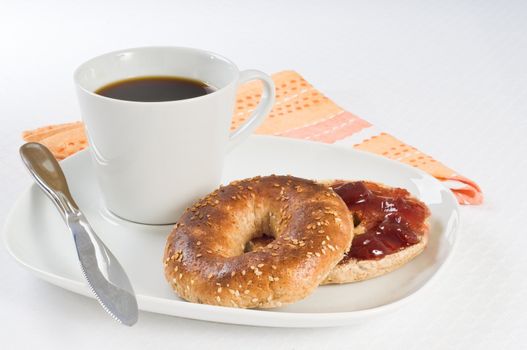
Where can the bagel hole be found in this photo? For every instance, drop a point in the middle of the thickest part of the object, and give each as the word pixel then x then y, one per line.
pixel 258 242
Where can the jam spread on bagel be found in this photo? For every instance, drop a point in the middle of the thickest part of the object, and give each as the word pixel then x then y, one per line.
pixel 390 218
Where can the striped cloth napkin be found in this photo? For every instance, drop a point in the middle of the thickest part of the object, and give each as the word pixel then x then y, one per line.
pixel 300 112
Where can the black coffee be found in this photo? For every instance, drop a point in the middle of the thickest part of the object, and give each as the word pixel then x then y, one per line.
pixel 155 89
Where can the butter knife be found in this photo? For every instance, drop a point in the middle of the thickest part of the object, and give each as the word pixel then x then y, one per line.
pixel 106 277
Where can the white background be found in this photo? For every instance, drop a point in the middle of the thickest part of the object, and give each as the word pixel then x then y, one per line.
pixel 449 77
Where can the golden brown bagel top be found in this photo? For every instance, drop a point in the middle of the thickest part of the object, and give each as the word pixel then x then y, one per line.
pixel 204 256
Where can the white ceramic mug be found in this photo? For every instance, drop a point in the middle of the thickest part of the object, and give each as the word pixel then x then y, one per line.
pixel 153 159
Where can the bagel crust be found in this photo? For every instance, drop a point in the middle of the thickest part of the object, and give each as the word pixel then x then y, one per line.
pixel 205 259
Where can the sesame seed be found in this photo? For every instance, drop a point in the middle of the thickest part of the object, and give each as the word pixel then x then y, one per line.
pixel 180 276
pixel 260 265
pixel 233 273
pixel 273 267
pixel 198 255
pixel 243 272
pixel 246 291
pixel 218 299
pixel 317 253
pixel 220 289
pixel 198 243
pixel 209 276
pixel 254 300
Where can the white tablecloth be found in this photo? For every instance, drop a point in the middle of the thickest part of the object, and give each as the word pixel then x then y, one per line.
pixel 449 78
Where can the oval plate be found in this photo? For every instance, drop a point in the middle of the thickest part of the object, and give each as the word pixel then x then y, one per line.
pixel 38 239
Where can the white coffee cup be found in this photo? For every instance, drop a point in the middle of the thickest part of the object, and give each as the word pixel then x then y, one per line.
pixel 153 159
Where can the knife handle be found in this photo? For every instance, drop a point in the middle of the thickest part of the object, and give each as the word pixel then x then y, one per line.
pixel 49 176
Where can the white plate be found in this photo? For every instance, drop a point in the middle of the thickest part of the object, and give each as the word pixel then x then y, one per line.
pixel 38 239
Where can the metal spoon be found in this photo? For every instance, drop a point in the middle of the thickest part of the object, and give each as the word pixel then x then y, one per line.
pixel 106 277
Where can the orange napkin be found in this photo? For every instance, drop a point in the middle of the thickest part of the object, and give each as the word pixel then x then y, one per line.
pixel 300 112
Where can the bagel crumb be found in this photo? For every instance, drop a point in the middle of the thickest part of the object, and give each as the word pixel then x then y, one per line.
pixel 254 300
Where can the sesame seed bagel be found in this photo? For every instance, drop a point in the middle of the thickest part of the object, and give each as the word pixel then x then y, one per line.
pixel 205 255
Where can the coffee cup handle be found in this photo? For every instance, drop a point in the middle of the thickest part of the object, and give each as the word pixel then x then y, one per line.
pixel 258 115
